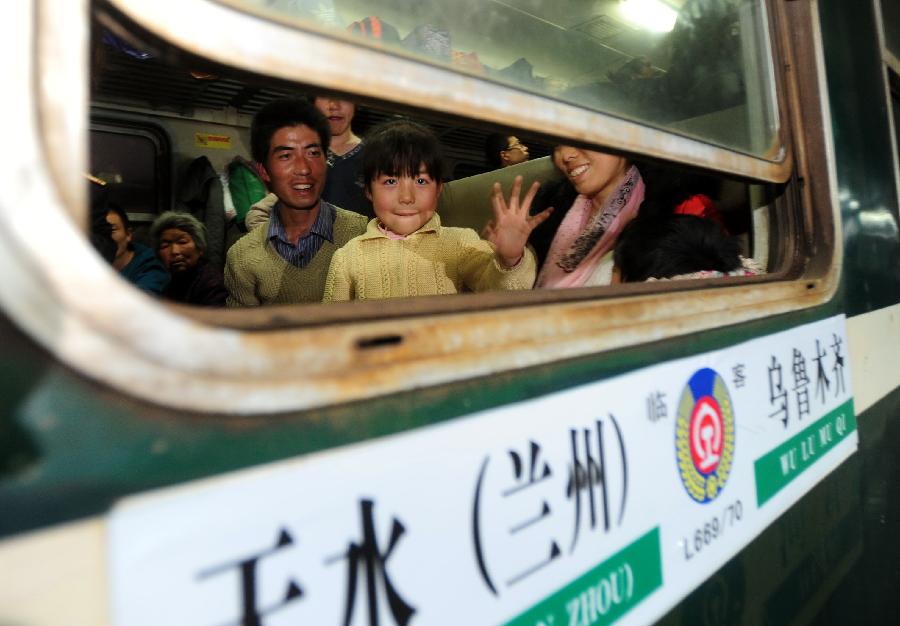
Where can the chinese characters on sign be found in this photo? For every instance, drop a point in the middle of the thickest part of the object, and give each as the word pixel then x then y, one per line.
pixel 607 501
pixel 366 575
pixel 597 458
pixel 779 391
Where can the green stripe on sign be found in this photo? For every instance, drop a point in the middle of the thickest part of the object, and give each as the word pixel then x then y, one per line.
pixel 775 469
pixel 605 593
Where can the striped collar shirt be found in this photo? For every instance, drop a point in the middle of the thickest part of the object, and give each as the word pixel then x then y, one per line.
pixel 301 253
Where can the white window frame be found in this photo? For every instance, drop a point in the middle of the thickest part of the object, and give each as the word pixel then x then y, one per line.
pixel 62 294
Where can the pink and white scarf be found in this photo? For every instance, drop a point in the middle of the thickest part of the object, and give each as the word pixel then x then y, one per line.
pixel 581 241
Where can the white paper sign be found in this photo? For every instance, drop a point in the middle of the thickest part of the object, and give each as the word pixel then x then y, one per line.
pixel 609 501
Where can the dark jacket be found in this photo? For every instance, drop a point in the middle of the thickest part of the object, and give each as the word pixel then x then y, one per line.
pixel 146 271
pixel 344 186
pixel 202 285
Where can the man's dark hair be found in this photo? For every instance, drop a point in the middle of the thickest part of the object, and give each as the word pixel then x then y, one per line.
pixel 400 148
pixel 662 247
pixel 493 146
pixel 279 114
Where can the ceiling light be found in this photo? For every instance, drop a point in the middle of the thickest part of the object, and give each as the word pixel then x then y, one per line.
pixel 652 15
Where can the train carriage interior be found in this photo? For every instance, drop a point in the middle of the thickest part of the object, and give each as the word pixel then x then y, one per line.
pixel 166 125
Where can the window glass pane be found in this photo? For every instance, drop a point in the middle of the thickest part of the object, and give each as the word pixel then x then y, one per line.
pixel 890 13
pixel 128 164
pixel 699 67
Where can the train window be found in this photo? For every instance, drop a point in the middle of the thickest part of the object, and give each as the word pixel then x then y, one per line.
pixel 739 133
pixel 268 359
pixel 646 60
pixel 133 161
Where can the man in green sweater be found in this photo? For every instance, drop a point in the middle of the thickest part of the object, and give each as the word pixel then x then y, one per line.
pixel 286 259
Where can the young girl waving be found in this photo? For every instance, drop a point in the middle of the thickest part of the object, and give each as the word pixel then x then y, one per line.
pixel 405 251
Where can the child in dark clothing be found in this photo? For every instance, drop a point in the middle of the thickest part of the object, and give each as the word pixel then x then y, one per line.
pixel 678 246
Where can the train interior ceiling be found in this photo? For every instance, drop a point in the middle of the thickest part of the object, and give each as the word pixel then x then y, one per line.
pixel 159 113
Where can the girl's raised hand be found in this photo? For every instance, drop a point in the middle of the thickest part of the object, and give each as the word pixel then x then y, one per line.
pixel 512 224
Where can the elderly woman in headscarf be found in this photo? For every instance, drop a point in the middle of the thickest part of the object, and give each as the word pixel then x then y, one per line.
pixel 180 242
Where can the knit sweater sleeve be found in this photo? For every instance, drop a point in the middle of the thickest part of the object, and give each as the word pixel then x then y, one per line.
pixel 239 280
pixel 259 212
pixel 481 271
pixel 339 283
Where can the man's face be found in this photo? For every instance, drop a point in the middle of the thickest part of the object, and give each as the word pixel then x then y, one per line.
pixel 516 152
pixel 119 234
pixel 339 113
pixel 295 167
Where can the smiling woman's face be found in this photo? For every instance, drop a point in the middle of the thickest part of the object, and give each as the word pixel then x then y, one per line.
pixel 591 173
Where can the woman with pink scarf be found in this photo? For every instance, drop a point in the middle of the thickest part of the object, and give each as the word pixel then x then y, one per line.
pixel 599 195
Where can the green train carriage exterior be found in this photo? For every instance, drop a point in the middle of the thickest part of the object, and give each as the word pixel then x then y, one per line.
pixel 350 464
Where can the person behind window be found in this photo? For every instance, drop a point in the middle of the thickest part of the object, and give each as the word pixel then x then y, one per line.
pixel 599 195
pixel 100 231
pixel 285 260
pixel 344 186
pixel 505 150
pixel 136 263
pixel 180 242
pixel 405 251
pixel 678 247
pixel 344 183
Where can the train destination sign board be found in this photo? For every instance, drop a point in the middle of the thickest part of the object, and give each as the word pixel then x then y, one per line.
pixel 607 502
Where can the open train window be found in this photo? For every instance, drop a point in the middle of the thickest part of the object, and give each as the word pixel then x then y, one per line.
pixel 271 359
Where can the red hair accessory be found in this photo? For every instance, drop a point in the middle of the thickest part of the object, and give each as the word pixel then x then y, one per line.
pixel 700 205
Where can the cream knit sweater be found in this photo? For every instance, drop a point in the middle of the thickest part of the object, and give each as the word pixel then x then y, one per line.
pixel 433 260
pixel 256 274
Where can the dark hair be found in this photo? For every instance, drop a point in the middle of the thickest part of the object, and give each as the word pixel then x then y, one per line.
pixel 115 208
pixel 279 114
pixel 182 221
pixel 668 185
pixel 400 148
pixel 494 145
pixel 662 247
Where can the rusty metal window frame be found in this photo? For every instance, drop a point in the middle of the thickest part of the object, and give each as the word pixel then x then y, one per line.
pixel 291 358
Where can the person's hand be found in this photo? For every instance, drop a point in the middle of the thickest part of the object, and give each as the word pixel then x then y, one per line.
pixel 512 224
